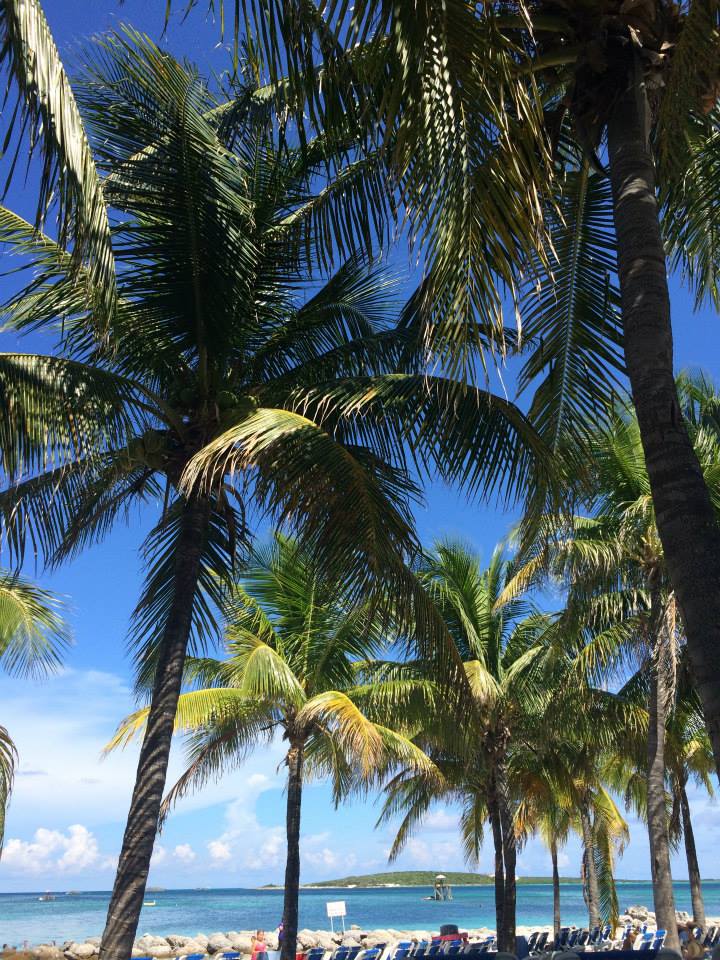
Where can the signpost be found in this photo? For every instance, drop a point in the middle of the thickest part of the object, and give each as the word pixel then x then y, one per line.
pixel 336 908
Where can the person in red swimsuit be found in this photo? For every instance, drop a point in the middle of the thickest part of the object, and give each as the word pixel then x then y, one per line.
pixel 258 945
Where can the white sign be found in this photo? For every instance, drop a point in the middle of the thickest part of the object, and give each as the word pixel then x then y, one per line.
pixel 336 908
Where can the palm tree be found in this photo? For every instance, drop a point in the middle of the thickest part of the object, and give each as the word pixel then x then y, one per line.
pixel 295 654
pixel 33 636
pixel 563 786
pixel 689 758
pixel 499 91
pixel 227 391
pixel 614 566
pixel 498 645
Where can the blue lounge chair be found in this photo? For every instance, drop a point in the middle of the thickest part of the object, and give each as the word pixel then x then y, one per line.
pixel 372 953
pixel 340 953
pixel 401 953
pixel 195 956
pixel 454 950
pixel 659 939
pixel 419 953
pixel 541 942
pixel 353 953
pixel 231 955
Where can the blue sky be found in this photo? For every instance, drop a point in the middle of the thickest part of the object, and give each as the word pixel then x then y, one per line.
pixel 68 811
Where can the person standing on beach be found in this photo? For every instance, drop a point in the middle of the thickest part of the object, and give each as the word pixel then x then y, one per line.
pixel 259 947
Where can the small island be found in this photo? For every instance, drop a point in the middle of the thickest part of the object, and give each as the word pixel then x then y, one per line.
pixel 420 878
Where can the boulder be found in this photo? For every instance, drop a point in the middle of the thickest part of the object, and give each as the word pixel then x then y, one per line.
pixel 83 951
pixel 162 950
pixel 95 941
pixel 306 939
pixel 271 941
pixel 47 951
pixel 325 940
pixel 202 939
pixel 192 946
pixel 241 942
pixel 638 913
pixel 218 942
pixel 149 940
pixel 176 940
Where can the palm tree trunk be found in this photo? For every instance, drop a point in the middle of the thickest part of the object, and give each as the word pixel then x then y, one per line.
pixel 506 932
pixel 684 514
pixel 592 888
pixel 556 887
pixel 499 858
pixel 292 864
pixel 142 823
pixel 657 813
pixel 698 904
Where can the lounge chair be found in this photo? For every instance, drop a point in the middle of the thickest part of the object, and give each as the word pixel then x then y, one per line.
pixel 353 952
pixel 231 955
pixel 371 953
pixel 316 953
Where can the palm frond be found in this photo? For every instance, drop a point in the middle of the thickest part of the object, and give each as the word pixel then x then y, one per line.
pixel 54 411
pixel 571 321
pixel 215 569
pixel 33 633
pixel 8 761
pixel 48 113
pixel 691 88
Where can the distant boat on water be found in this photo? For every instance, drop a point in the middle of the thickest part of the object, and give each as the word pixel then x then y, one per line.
pixel 149 903
pixel 47 896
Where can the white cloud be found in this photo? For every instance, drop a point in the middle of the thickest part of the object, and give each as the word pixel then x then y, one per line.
pixel 219 850
pixel 60 737
pixel 441 820
pixel 159 855
pixel 53 850
pixel 184 852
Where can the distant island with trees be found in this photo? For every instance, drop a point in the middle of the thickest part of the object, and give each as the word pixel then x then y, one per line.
pixel 421 878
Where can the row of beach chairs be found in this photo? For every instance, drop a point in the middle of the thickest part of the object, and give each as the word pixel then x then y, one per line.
pixel 538 943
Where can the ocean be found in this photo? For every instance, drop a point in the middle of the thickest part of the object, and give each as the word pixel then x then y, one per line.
pixel 24 918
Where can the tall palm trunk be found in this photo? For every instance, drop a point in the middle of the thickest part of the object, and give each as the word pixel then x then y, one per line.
pixel 506 930
pixel 292 863
pixel 698 904
pixel 499 858
pixel 657 818
pixel 591 885
pixel 685 519
pixel 142 823
pixel 556 887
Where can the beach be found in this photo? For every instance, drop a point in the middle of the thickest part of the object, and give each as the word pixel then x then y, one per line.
pixel 189 912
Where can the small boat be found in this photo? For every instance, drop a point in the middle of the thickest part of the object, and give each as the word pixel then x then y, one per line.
pixel 149 903
pixel 47 896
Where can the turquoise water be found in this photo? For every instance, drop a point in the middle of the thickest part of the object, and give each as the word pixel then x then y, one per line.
pixel 23 917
